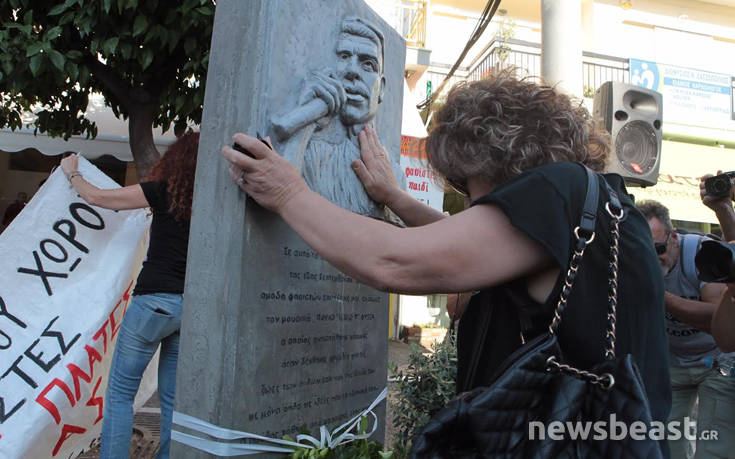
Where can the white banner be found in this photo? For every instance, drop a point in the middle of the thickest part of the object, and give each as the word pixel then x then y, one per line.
pixel 67 271
pixel 420 181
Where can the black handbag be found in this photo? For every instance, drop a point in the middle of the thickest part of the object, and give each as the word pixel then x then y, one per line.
pixel 536 401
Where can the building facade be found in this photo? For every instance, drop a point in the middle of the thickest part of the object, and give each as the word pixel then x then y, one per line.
pixel 682 49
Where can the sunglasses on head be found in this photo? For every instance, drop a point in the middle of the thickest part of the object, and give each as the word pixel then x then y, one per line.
pixel 662 246
pixel 458 187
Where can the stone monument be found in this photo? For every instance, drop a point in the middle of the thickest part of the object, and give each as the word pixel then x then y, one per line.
pixel 274 338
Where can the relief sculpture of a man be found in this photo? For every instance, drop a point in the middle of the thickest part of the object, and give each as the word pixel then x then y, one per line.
pixel 334 105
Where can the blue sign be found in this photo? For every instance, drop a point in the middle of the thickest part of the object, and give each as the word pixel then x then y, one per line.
pixel 644 74
pixel 690 96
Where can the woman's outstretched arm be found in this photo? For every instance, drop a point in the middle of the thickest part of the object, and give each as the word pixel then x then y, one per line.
pixel 126 198
pixel 467 251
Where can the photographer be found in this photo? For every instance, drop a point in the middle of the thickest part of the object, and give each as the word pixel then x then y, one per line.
pixel 723 320
pixel 690 305
pixel 720 203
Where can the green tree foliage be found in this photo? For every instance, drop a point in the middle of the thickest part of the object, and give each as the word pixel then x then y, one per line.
pixel 147 57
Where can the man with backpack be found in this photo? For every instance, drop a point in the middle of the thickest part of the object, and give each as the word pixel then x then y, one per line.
pixel 690 305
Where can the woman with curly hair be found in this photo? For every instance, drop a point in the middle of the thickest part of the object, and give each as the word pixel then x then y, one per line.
pixel 516 149
pixel 154 314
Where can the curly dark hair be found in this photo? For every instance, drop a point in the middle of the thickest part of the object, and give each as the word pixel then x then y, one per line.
pixel 498 127
pixel 177 167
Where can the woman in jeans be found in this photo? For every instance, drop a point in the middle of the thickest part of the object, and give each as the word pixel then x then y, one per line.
pixel 513 147
pixel 154 314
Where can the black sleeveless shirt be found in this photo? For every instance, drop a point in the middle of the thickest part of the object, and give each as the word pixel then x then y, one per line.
pixel 546 203
pixel 165 265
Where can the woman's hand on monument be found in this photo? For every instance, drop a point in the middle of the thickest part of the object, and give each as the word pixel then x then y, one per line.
pixel 374 169
pixel 267 177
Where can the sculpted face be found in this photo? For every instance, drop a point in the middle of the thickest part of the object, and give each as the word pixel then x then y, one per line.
pixel 360 70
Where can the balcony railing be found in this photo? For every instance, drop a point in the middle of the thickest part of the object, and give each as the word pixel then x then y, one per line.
pixel 412 19
pixel 598 68
pixel 526 57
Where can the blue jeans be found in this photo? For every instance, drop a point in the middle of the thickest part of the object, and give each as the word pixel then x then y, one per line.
pixel 149 320
pixel 716 412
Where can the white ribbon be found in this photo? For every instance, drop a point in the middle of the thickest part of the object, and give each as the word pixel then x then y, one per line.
pixel 339 436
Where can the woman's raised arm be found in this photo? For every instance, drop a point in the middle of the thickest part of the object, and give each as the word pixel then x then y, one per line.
pixel 125 198
pixel 467 251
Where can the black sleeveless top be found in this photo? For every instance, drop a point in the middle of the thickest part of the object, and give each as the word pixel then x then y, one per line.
pixel 165 265
pixel 546 203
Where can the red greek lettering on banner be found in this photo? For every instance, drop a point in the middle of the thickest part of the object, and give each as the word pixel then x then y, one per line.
pixel 48 404
pixel 95 400
pixel 66 432
pixel 77 373
pixel 111 319
pixel 125 300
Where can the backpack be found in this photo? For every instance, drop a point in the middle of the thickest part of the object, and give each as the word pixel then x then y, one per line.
pixel 691 242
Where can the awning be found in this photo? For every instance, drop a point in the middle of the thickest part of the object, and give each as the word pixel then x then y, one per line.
pixel 112 139
pixel 104 144
pixel 682 164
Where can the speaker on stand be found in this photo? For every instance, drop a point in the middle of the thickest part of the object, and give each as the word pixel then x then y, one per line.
pixel 632 115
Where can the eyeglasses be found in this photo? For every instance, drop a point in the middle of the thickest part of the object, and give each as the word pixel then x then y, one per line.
pixel 662 246
pixel 458 187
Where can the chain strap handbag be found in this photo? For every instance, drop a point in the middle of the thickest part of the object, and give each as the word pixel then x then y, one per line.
pixel 534 391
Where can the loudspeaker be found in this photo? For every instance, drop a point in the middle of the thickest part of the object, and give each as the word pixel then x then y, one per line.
pixel 632 116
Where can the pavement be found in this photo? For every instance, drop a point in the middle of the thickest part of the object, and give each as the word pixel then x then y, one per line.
pixel 146 424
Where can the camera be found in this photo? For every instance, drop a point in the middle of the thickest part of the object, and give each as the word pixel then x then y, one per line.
pixel 719 185
pixel 715 261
